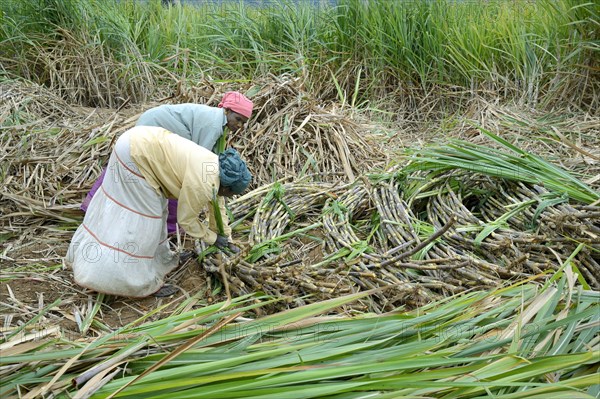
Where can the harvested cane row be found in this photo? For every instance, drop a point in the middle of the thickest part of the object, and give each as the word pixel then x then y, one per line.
pixel 476 232
pixel 46 171
pixel 291 133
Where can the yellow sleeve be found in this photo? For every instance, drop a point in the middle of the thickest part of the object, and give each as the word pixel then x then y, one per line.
pixel 192 198
pixel 212 221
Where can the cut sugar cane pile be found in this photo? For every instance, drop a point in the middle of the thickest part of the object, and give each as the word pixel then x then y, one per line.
pixel 455 218
pixel 423 245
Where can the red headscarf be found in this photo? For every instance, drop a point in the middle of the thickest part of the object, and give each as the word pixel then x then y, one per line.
pixel 237 102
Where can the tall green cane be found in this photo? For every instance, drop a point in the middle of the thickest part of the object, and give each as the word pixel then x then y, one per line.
pixel 217 213
pixel 218 149
pixel 221 142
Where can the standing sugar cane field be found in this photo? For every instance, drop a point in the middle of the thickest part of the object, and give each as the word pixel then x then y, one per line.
pixel 422 219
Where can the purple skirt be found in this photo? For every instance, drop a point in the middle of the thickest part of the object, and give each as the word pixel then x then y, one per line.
pixel 171 208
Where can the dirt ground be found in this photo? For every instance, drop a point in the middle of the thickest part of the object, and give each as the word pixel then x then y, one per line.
pixel 24 295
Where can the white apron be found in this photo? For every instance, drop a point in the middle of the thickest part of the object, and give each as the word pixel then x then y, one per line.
pixel 121 247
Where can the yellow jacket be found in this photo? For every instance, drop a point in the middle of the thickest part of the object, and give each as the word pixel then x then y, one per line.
pixel 178 168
